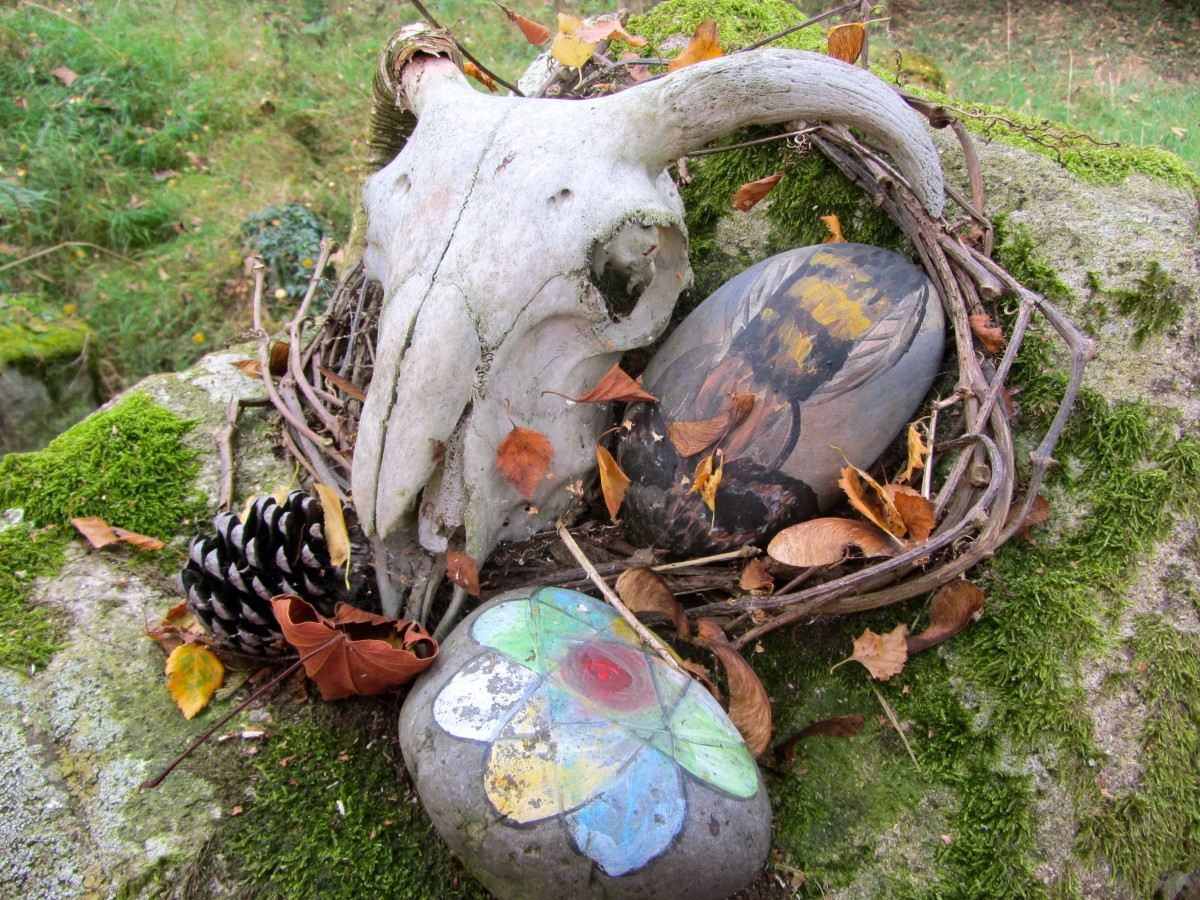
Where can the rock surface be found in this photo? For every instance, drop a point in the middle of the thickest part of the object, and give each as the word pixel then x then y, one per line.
pixel 559 757
pixel 837 344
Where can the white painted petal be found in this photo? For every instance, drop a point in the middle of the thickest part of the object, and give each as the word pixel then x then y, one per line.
pixel 482 697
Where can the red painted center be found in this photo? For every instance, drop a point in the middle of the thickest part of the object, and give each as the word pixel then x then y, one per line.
pixel 613 675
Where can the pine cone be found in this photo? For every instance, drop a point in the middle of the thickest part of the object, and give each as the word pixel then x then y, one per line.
pixel 231 577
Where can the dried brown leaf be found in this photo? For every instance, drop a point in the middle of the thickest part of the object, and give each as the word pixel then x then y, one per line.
pixel 177 627
pixel 690 438
pixel 96 530
pixel 277 358
pixel 837 726
pixel 883 655
pixel 918 452
pixel 869 497
pixel 473 71
pixel 67 77
pixel 193 675
pixel 613 481
pixel 750 193
pixel 337 539
pixel 608 30
pixel 616 385
pixel 749 706
pixel 705 44
pixel 636 73
pixel 141 541
pixel 534 32
pixel 342 384
pixel 952 609
pixel 824 542
pixel 463 571
pixel 355 653
pixel 756 579
pixel 846 41
pixel 834 224
pixel 1038 513
pixel 643 590
pixel 707 479
pixel 251 368
pixel 990 337
pixel 523 458
pixel 916 511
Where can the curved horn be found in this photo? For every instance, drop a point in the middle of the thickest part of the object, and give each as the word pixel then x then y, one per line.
pixel 694 106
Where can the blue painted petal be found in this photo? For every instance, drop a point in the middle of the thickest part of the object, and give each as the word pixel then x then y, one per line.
pixel 635 818
pixel 591 614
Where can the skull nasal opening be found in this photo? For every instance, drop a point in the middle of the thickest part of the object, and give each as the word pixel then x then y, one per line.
pixel 623 266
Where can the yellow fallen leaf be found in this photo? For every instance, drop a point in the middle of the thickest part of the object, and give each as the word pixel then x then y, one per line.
pixel 571 51
pixel 918 452
pixel 705 44
pixel 337 539
pixel 708 478
pixel 193 675
pixel 568 24
pixel 834 224
pixel 613 481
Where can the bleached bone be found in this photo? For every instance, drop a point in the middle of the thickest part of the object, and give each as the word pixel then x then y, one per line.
pixel 492 233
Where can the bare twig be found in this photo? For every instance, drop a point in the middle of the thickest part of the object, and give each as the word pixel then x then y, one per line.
pixel 428 16
pixel 41 253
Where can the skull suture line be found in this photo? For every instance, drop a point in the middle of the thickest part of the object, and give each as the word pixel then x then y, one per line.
pixel 488 233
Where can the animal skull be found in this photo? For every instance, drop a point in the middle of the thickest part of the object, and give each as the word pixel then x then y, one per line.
pixel 490 233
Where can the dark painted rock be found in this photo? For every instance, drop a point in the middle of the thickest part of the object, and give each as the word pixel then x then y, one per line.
pixel 560 758
pixel 838 344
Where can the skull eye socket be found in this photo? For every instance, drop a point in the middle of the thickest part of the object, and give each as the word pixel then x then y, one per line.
pixel 623 267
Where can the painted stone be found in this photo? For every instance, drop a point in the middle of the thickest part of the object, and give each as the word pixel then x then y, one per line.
pixel 838 344
pixel 559 757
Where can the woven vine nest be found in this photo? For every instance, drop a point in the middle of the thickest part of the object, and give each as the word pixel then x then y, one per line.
pixel 979 504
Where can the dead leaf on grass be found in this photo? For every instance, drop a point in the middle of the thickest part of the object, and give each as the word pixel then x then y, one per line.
pixel 749 706
pixel 96 530
pixel 67 77
pixel 951 610
pixel 883 655
pixel 826 541
pixel 750 193
pixel 834 224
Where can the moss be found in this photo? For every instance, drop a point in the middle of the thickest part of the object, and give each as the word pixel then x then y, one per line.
pixel 127 465
pixel 33 336
pixel 330 818
pixel 1155 828
pixel 1155 303
pixel 28 635
pixel 739 22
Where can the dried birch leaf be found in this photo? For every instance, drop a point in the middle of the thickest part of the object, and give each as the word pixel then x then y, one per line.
pixel 337 539
pixel 613 481
pixel 846 41
pixel 824 542
pixel 473 71
pixel 534 32
pixel 883 655
pixel 356 653
pixel 990 337
pixel 193 675
pixel 643 590
pixel 952 608
pixel 749 707
pixel 834 224
pixel 918 452
pixel 571 51
pixel 141 541
pixel 690 438
pixel 756 579
pixel 67 77
pixel 177 626
pixel 869 498
pixel 569 24
pixel 523 458
pixel 750 193
pixel 463 571
pixel 96 530
pixel 837 726
pixel 618 386
pixel 705 44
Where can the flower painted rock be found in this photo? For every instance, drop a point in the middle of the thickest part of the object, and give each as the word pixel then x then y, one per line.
pixel 559 757
pixel 837 345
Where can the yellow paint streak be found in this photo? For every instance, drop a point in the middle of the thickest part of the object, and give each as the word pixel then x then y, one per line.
pixel 796 343
pixel 828 304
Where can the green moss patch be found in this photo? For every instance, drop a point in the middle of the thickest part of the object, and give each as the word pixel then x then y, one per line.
pixel 331 818
pixel 33 336
pixel 127 465
pixel 1155 303
pixel 28 636
pixel 739 22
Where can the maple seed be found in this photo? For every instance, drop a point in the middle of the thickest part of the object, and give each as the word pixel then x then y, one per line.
pixel 846 41
pixel 749 706
pixel 643 590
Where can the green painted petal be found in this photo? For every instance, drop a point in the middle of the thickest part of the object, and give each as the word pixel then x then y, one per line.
pixel 707 745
